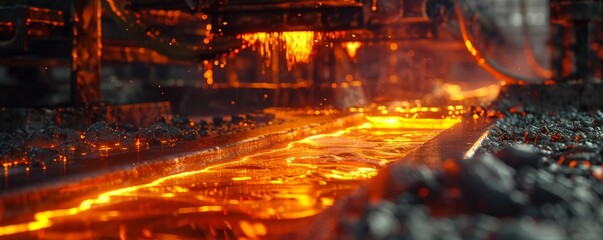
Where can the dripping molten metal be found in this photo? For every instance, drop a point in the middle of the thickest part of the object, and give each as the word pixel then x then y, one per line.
pixel 297 45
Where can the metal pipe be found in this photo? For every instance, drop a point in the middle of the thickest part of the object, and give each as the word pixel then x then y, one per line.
pixel 485 62
pixel 536 67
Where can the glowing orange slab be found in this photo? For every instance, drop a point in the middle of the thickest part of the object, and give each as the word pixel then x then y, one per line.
pixel 292 182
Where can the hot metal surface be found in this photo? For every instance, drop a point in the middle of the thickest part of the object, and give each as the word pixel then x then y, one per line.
pixel 459 141
pixel 78 176
pixel 266 194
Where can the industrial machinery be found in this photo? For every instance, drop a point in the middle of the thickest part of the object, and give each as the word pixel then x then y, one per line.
pixel 144 32
pixel 187 119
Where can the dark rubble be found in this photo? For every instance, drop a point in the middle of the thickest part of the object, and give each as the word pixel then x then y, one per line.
pixel 535 176
pixel 45 146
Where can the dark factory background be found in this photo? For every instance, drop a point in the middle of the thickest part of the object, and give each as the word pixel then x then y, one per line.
pixel 35 69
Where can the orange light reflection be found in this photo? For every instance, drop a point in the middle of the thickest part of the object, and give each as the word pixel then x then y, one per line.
pixel 456 92
pixel 413 123
pixel 296 181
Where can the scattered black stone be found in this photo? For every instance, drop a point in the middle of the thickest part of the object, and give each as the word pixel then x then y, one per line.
pixel 239 118
pixel 73 146
pixel 266 117
pixel 520 155
pixel 203 123
pixel 181 122
pixel 218 120
pixel 10 146
pixel 161 120
pixel 537 175
pixel 45 145
pixel 61 134
pixel 42 154
pixel 129 128
pixel 102 134
pixel 190 134
pixel 528 229
pixel 490 187
pixel 40 139
pixel 160 133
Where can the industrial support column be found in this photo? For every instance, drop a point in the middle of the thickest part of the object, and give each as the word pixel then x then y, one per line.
pixel 572 20
pixel 86 52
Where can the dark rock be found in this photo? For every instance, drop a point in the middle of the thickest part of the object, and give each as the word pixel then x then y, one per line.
pixel 381 221
pixel 69 147
pixel 218 120
pixel 578 209
pixel 190 134
pixel 100 133
pixel 239 118
pixel 160 133
pixel 584 228
pixel 61 134
pixel 490 187
pixel 547 190
pixel 202 123
pixel 42 154
pixel 525 178
pixel 128 127
pixel 416 224
pixel 527 229
pixel 40 139
pixel 520 155
pixel 399 178
pixel 9 145
pixel 260 117
pixel 598 189
pixel 181 122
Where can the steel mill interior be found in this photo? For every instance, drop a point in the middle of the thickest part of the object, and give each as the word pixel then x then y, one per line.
pixel 301 119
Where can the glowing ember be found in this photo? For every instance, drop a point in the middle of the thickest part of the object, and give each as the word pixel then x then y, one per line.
pixel 297 45
pixel 352 48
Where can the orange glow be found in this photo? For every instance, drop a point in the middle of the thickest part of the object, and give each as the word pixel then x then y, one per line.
pixel 349 77
pixel 288 184
pixel 282 85
pixel 470 47
pixel 456 93
pixel 423 192
pixel 598 173
pixel 44 219
pixel 253 231
pixel 413 123
pixel 241 178
pixel 450 167
pixel 297 45
pixel 104 148
pixel 209 75
pixel 351 48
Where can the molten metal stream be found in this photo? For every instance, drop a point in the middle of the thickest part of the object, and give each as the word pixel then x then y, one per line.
pixel 293 182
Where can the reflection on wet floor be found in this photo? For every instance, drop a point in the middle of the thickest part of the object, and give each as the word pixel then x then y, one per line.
pixel 265 194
